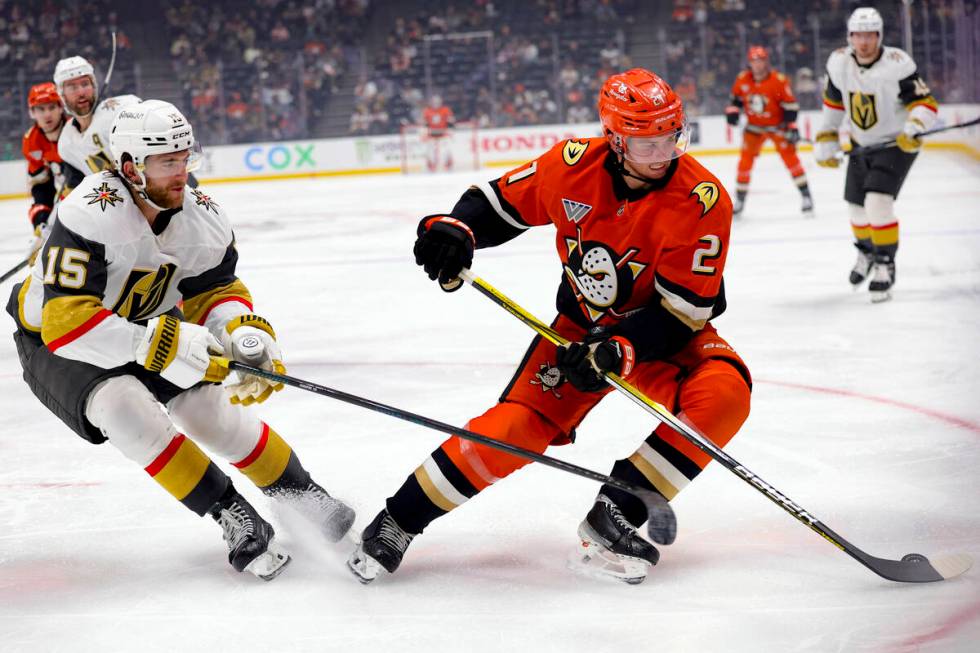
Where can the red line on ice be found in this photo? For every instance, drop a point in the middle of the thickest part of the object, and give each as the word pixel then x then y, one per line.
pixel 935 414
pixel 964 616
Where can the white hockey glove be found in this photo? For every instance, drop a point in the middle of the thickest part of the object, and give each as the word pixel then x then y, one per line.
pixel 180 352
pixel 826 149
pixel 40 235
pixel 250 339
pixel 908 141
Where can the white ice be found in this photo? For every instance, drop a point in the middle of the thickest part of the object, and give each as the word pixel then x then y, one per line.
pixel 866 415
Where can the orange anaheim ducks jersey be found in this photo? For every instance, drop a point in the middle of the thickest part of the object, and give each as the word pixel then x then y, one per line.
pixel 767 101
pixel 437 121
pixel 649 261
pixel 39 151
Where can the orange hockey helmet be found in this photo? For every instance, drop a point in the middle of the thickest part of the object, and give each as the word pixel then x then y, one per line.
pixel 45 93
pixel 642 118
pixel 758 52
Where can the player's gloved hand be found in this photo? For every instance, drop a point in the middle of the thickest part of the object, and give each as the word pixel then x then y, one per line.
pixel 584 363
pixel 181 352
pixel 826 149
pixel 731 115
pixel 250 339
pixel 791 133
pixel 443 248
pixel 908 141
pixel 40 235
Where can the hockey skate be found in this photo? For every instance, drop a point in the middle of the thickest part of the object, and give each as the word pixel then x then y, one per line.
pixel 251 539
pixel 807 208
pixel 738 207
pixel 382 546
pixel 330 515
pixel 610 547
pixel 861 267
pixel 882 279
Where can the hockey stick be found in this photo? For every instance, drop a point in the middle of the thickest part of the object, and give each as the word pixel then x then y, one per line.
pixel 12 271
pixel 112 66
pixel 912 568
pixel 662 525
pixel 878 147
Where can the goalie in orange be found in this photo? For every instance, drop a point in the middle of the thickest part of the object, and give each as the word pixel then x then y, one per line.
pixel 770 109
pixel 438 121
pixel 642 236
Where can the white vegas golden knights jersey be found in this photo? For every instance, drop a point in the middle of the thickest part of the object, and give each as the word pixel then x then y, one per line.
pixel 103 269
pixel 89 151
pixel 877 99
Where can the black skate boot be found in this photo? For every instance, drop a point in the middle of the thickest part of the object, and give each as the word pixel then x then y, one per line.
pixel 807 208
pixel 383 544
pixel 610 547
pixel 251 539
pixel 882 278
pixel 330 515
pixel 862 266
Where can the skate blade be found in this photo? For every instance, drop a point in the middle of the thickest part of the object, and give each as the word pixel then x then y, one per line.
pixel 364 567
pixel 270 563
pixel 808 215
pixel 878 296
pixel 595 561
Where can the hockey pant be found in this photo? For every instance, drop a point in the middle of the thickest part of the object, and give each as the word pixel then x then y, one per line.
pixel 707 385
pixel 752 143
pixel 132 419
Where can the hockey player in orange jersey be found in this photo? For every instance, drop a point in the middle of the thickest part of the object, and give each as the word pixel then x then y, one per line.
pixel 40 148
pixel 438 120
pixel 642 232
pixel 770 109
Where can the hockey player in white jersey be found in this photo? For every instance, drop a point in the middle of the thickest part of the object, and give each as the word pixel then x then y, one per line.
pixel 104 345
pixel 84 141
pixel 883 98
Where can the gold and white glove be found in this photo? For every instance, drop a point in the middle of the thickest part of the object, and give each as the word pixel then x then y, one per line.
pixel 908 141
pixel 181 352
pixel 250 339
pixel 40 235
pixel 826 149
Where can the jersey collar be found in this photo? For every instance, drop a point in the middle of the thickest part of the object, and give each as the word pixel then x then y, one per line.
pixel 881 52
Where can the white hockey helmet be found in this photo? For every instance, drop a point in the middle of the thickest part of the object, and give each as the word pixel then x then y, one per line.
pixel 71 68
pixel 865 19
pixel 150 127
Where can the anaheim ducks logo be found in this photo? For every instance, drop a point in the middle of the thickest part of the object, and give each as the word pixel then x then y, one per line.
pixel 573 151
pixel 549 378
pixel 707 194
pixel 601 278
pixel 143 292
pixel 864 112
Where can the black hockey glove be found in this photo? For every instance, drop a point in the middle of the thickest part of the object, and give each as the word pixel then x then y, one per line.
pixel 791 133
pixel 584 363
pixel 443 248
pixel 731 115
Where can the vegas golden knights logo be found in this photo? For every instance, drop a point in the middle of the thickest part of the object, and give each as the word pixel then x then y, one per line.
pixel 144 292
pixel 864 113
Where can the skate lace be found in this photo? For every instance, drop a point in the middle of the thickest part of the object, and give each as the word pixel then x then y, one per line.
pixel 882 272
pixel 391 534
pixel 618 517
pixel 237 524
pixel 863 263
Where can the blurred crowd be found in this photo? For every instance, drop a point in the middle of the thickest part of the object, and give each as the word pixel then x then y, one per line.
pixel 290 69
pixel 262 70
pixel 495 64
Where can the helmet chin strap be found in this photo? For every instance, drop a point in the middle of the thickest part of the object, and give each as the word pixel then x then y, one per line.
pixel 141 191
pixel 621 169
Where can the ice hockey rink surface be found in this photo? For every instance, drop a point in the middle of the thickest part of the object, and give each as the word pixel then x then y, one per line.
pixel 866 415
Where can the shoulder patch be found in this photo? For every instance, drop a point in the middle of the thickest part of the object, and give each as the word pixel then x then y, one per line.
pixel 573 151
pixel 707 194
pixel 781 77
pixel 105 195
pixel 204 200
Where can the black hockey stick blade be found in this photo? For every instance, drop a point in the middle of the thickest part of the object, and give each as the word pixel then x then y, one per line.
pixel 878 147
pixel 661 524
pixel 12 271
pixel 916 568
